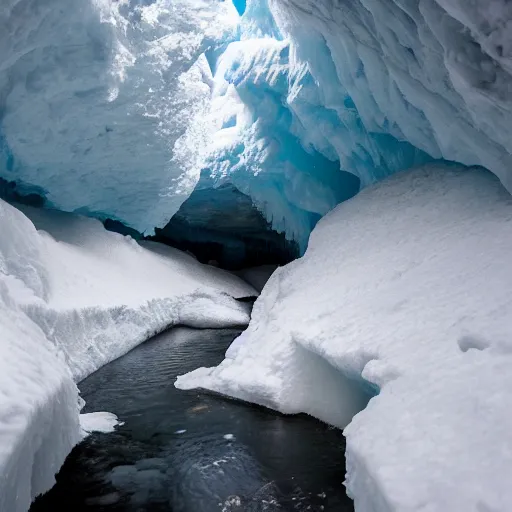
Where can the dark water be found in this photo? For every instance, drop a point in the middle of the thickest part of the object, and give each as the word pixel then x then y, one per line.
pixel 189 451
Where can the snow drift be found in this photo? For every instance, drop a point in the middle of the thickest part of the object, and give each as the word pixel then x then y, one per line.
pixel 404 296
pixel 105 293
pixel 72 298
pixel 39 400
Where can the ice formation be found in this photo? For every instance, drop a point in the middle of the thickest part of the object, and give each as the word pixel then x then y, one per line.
pixel 115 108
pixel 74 296
pixel 258 146
pixel 98 422
pixel 102 103
pixel 403 295
pixel 435 73
pixel 369 87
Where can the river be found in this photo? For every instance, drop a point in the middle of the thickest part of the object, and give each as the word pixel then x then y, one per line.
pixel 191 451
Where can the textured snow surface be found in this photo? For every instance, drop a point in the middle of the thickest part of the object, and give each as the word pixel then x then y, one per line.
pixel 106 293
pixel 102 102
pixel 405 294
pixel 72 298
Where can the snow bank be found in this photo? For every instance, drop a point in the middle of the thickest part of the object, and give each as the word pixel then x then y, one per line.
pixel 72 298
pixel 106 293
pixel 404 294
pixel 38 398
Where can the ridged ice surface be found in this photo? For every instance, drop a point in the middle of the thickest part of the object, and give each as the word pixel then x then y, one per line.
pixel 435 73
pixel 115 108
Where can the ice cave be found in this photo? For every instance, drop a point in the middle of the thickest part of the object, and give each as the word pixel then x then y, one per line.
pixel 254 255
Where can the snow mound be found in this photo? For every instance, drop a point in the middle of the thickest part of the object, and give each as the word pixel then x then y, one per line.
pixel 106 293
pixel 72 298
pixel 403 295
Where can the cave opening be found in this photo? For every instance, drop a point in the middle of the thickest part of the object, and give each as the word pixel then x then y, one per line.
pixel 222 227
pixel 218 226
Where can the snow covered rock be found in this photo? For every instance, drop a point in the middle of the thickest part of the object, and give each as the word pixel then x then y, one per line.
pixel 72 298
pixel 103 102
pixel 403 295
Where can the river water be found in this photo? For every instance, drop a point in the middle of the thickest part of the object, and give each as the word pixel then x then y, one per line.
pixel 190 451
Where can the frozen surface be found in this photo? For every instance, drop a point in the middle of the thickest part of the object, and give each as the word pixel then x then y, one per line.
pixel 313 90
pixel 115 108
pixel 102 103
pixel 98 422
pixel 434 73
pixel 403 295
pixel 258 146
pixel 71 301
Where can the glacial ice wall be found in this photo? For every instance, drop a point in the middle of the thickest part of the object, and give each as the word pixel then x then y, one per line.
pixel 282 141
pixel 369 87
pixel 435 73
pixel 102 102
pixel 115 109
